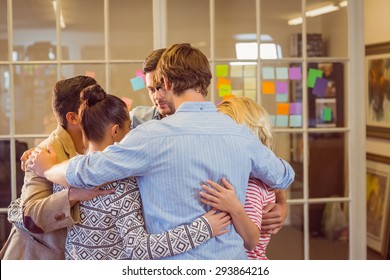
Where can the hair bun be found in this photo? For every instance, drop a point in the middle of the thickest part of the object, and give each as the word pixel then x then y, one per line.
pixel 93 94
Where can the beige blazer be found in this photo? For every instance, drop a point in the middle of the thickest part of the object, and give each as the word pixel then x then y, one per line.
pixel 45 215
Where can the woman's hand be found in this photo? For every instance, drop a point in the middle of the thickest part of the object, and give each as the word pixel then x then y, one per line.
pixel 221 197
pixel 218 221
pixel 76 194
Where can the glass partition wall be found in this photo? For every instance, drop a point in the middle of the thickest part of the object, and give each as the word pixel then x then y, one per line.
pixel 292 56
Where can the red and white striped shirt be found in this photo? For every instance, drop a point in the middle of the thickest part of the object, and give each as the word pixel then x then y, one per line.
pixel 258 195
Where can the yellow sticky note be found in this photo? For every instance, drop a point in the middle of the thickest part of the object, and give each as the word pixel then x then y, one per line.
pixel 250 94
pixel 237 92
pixel 268 88
pixel 236 71
pixel 283 108
pixel 249 83
pixel 225 90
pixel 222 70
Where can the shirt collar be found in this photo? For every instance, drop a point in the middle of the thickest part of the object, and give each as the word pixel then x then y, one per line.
pixel 202 106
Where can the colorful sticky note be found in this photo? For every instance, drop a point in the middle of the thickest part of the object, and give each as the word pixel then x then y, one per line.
pixel 273 120
pixel 250 94
pixel 139 73
pixel 281 87
pixel 222 70
pixel 236 71
pixel 327 114
pixel 249 70
pixel 282 73
pixel 237 92
pixel 223 81
pixel 225 89
pixel 296 108
pixel 296 121
pixel 312 76
pixel 268 73
pixel 295 73
pixel 283 108
pixel 226 97
pixel 268 87
pixel 320 87
pixel 128 101
pixel 281 97
pixel 90 74
pixel 137 83
pixel 249 83
pixel 281 121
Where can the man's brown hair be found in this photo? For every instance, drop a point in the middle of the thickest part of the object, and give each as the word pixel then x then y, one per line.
pixel 185 68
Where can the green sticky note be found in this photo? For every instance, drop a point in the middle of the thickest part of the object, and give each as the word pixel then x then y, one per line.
pixel 225 90
pixel 327 114
pixel 312 76
pixel 222 70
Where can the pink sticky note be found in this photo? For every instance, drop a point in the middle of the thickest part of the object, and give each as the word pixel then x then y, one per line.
pixel 128 101
pixel 90 74
pixel 139 73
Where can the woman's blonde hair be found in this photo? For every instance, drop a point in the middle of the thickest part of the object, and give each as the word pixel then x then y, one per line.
pixel 247 112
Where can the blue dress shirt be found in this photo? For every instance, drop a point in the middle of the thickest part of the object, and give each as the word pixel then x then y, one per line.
pixel 172 157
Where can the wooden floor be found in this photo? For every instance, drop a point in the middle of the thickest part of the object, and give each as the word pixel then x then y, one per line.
pixel 288 245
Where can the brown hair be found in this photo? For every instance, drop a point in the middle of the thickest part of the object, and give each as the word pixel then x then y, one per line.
pixel 150 63
pixel 66 96
pixel 184 67
pixel 99 110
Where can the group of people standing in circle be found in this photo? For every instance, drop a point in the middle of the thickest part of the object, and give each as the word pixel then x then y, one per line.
pixel 182 179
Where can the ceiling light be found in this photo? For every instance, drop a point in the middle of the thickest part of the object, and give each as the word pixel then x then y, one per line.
pixel 315 12
pixel 343 4
pixel 322 10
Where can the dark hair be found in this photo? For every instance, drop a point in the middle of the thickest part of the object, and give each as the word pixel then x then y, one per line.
pixel 184 67
pixel 99 110
pixel 150 63
pixel 66 96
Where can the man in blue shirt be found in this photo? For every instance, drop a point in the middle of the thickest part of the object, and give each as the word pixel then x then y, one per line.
pixel 173 156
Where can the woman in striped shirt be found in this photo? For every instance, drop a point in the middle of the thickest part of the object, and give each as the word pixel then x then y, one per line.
pixel 247 219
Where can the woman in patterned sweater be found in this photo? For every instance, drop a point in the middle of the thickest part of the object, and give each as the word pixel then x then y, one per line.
pixel 112 226
pixel 247 220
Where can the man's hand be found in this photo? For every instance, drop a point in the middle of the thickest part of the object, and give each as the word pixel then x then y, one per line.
pixel 41 160
pixel 274 214
pixel 24 158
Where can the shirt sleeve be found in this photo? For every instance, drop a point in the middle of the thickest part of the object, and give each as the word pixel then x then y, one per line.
pixel 254 203
pixel 273 171
pixel 121 160
pixel 43 211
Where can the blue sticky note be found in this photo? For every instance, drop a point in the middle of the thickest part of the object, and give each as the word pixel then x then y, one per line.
pixel 281 87
pixel 320 87
pixel 137 83
pixel 268 73
pixel 273 120
pixel 282 73
pixel 296 121
pixel 281 97
pixel 281 121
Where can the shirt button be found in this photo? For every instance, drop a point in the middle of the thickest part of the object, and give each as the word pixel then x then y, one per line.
pixel 59 217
